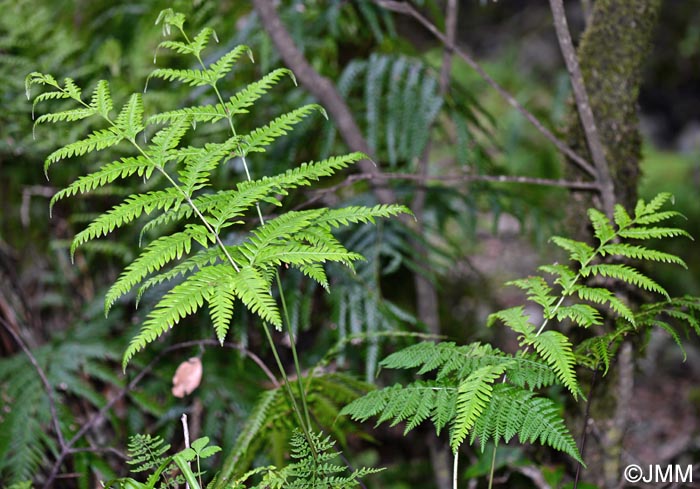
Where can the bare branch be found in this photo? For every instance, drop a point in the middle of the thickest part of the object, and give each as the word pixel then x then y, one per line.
pixel 405 8
pixel 321 88
pixel 463 178
pixel 583 105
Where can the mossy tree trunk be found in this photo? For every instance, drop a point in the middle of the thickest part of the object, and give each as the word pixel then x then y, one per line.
pixel 611 56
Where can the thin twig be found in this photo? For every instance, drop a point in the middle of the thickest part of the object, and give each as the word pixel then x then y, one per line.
pixel 584 430
pixel 44 380
pixel 186 435
pixel 595 146
pixel 384 179
pixel 406 8
pixel 467 178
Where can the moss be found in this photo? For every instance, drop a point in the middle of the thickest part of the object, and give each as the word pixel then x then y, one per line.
pixel 611 55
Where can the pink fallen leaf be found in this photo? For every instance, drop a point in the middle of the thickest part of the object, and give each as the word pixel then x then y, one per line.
pixel 187 377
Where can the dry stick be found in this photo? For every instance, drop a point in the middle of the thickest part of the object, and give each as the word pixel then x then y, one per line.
pixel 405 8
pixel 44 381
pixel 67 449
pixel 321 88
pixel 186 435
pixel 595 147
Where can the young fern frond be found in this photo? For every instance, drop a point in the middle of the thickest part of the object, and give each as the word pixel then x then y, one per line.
pixel 481 392
pixel 146 452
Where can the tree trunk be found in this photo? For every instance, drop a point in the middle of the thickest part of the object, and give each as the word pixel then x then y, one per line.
pixel 611 54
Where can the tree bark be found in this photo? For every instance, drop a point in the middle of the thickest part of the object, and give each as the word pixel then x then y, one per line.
pixel 611 54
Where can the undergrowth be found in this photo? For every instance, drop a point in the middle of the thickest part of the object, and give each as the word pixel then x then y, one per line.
pixel 224 248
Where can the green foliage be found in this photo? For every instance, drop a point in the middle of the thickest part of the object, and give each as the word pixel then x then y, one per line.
pixel 230 273
pixel 482 392
pixel 270 419
pixel 25 404
pixel 308 470
pixel 148 454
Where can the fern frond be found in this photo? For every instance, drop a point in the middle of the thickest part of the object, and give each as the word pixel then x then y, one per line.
pixel 624 273
pixel 556 350
pixel 599 295
pixel 192 77
pixel 473 395
pixel 166 139
pixel 200 113
pixel 127 211
pixel 123 168
pixel 221 67
pixel 538 291
pixel 95 141
pixel 595 352
pixel 581 314
pixel 66 116
pixel 199 260
pixel 515 319
pixel 277 231
pixel 644 209
pixel 514 411
pixel 146 452
pixel 602 229
pixel 641 253
pixel 156 255
pixel 246 97
pixel 130 118
pixel 199 163
pixel 658 217
pixel 301 255
pixel 566 277
pixel 195 47
pixel 445 408
pixel 260 138
pixel 400 403
pixel 621 217
pixel 653 233
pixel 221 309
pixel 360 214
pixel 101 99
pixel 181 301
pixel 578 251
pixel 254 291
pixel 316 273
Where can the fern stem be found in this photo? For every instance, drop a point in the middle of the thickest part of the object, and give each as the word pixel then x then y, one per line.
pixel 174 184
pixel 292 341
pixel 288 387
pixel 304 421
pixel 455 466
pixel 493 465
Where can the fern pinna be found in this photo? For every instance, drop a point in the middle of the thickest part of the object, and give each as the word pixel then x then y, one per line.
pixel 179 194
pixel 481 392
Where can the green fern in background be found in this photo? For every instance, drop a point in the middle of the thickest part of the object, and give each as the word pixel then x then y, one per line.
pixel 482 393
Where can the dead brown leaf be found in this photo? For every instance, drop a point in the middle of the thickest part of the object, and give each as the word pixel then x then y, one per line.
pixel 187 377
